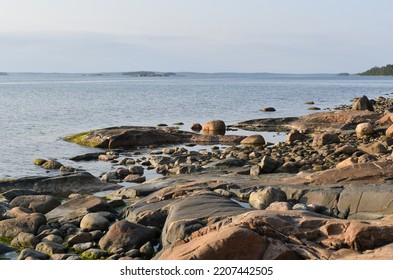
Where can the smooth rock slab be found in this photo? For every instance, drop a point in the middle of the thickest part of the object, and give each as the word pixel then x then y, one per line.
pixel 226 244
pixel 191 213
pixel 77 208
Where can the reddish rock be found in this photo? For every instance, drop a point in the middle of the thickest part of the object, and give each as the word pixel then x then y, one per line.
pixel 214 126
pixel 232 243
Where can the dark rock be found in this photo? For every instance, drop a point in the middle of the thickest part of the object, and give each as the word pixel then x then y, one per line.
pixel 136 169
pixel 363 103
pixel 268 109
pixel 5 249
pixel 196 127
pixel 87 157
pixel 268 165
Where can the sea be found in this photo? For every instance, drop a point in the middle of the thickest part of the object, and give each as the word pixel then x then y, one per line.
pixel 38 110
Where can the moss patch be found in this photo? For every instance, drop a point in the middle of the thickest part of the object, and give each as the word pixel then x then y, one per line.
pixel 9 179
pixel 81 139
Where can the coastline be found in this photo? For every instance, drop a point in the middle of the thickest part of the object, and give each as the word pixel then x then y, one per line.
pixel 308 198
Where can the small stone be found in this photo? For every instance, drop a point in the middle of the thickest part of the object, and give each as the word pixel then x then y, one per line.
pixel 94 254
pixel 301 207
pixel 136 169
pixel 81 247
pixel 314 108
pixel 279 206
pixel 268 165
pixel 325 139
pixel 50 248
pixel 196 127
pixel 253 140
pixel 80 237
pixel 133 253
pixel 69 169
pixel 147 249
pixel 255 170
pixel 268 109
pixel 134 179
pixel 53 238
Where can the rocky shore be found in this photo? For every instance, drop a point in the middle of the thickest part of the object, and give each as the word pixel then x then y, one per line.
pixel 324 193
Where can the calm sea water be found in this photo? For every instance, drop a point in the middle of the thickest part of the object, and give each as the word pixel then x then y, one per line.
pixel 36 110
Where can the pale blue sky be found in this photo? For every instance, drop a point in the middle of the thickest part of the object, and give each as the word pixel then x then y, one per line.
pixel 282 36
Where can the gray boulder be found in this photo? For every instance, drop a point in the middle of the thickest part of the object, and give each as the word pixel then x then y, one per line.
pixel 37 203
pixel 29 223
pixel 125 235
pixel 32 254
pixel 261 199
pixel 25 240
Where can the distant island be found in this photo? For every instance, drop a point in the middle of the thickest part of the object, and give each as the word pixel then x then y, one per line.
pixel 3 73
pixel 379 71
pixel 149 74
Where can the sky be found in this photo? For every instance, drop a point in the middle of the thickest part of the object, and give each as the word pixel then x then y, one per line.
pixel 279 36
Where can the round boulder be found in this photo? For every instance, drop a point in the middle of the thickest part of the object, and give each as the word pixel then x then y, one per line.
pixel 261 199
pixel 94 221
pixel 253 140
pixel 364 129
pixel 214 126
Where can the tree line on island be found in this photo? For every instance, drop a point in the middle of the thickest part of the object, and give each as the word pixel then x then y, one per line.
pixel 379 71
